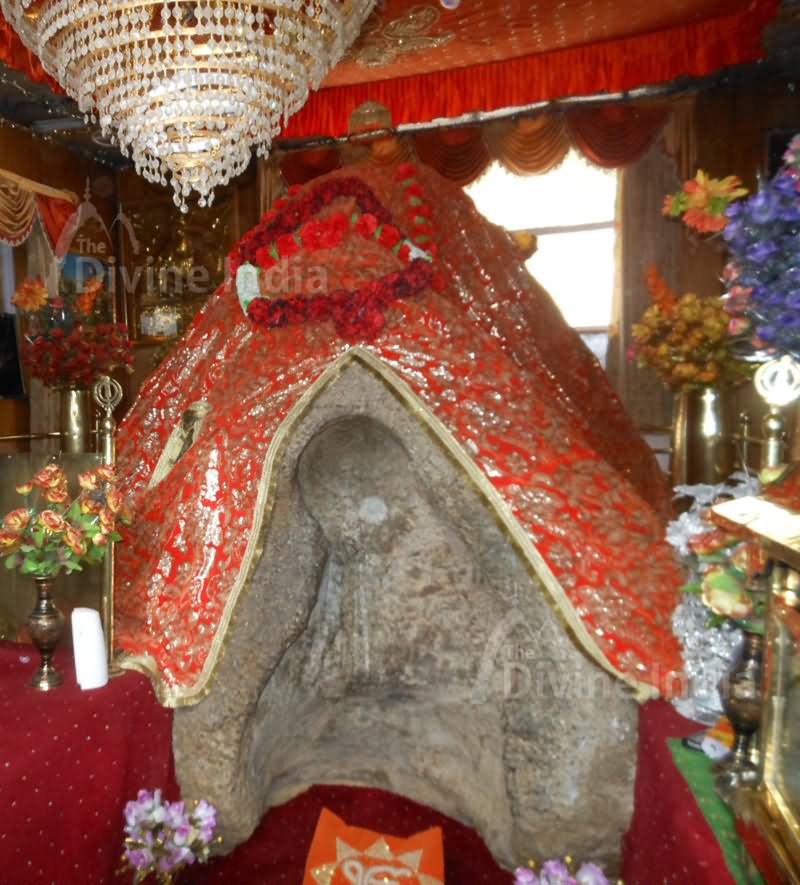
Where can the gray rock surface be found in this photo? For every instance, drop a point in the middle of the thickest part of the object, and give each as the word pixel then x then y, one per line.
pixel 392 636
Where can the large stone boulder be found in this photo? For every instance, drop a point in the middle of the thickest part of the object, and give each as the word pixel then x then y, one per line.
pixel 392 635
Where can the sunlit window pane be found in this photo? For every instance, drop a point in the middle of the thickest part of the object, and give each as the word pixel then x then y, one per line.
pixel 577 269
pixel 576 192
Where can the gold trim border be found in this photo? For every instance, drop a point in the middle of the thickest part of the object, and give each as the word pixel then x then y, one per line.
pixel 178 696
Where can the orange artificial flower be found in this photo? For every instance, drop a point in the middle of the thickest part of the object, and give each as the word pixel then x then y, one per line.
pixel 53 521
pixel 17 519
pixel 8 539
pixel 88 296
pixel 31 295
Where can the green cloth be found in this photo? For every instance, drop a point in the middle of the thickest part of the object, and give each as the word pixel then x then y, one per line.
pixel 696 770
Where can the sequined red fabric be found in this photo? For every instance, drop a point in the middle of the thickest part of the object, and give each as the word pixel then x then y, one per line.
pixel 491 358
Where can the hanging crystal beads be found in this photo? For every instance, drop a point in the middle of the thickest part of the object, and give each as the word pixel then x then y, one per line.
pixel 188 89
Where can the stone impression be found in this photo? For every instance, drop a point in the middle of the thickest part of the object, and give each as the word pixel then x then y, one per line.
pixel 392 636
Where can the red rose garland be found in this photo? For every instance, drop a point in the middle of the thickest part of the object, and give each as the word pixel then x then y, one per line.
pixel 292 226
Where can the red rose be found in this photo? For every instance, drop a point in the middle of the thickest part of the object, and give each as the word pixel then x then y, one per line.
pixel 311 234
pixel 366 225
pixel 414 190
pixel 317 308
pixel 339 222
pixel 264 258
pixel 405 170
pixel 268 216
pixel 287 245
pixel 390 236
pixel 405 252
pixel 295 189
pixel 279 204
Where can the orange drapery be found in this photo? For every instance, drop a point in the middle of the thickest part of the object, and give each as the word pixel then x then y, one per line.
pixel 609 136
pixel 612 66
pixel 614 135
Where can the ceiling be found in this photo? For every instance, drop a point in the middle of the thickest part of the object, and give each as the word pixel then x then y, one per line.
pixel 423 59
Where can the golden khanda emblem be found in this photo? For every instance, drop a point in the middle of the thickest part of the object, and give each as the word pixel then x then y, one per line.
pixel 378 865
pixel 381 42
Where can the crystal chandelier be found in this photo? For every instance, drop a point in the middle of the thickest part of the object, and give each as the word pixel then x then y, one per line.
pixel 188 89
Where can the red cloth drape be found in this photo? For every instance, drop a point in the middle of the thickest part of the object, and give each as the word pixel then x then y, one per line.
pixel 14 54
pixel 669 839
pixel 612 66
pixel 71 760
pixel 277 851
pixel 55 215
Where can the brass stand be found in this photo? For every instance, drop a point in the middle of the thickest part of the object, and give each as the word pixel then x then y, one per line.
pixel 108 395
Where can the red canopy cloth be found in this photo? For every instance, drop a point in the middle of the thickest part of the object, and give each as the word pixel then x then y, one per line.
pixel 425 63
pixel 511 53
pixel 488 366
pixel 71 759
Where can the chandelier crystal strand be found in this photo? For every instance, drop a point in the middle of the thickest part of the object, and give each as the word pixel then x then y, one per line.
pixel 189 89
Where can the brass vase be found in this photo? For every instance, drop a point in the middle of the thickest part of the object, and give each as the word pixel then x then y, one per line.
pixel 75 413
pixel 45 624
pixel 702 439
pixel 740 692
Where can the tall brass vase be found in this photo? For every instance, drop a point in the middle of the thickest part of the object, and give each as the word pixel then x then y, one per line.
pixel 45 624
pixel 75 419
pixel 702 438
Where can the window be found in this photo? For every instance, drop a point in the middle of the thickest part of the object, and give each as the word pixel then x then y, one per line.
pixel 571 211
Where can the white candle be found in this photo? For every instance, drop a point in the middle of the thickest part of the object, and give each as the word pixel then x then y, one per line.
pixel 91 668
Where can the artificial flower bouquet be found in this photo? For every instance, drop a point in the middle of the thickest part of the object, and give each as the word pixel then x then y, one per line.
pixel 161 838
pixel 560 872
pixel 52 533
pixel 761 302
pixel 68 340
pixel 685 339
pixel 763 274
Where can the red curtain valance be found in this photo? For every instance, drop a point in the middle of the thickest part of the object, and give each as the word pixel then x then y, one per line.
pixel 610 136
pixel 613 66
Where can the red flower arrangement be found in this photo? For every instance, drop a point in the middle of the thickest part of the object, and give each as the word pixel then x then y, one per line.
pixel 65 345
pixel 78 357
pixel 293 226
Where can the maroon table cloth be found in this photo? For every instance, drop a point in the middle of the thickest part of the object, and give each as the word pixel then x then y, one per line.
pixel 71 759
pixel 669 839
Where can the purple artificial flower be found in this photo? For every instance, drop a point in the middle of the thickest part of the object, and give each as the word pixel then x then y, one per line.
pixel 761 250
pixel 555 872
pixel 591 874
pixel 204 818
pixel 139 858
pixel 525 876
pixel 763 207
